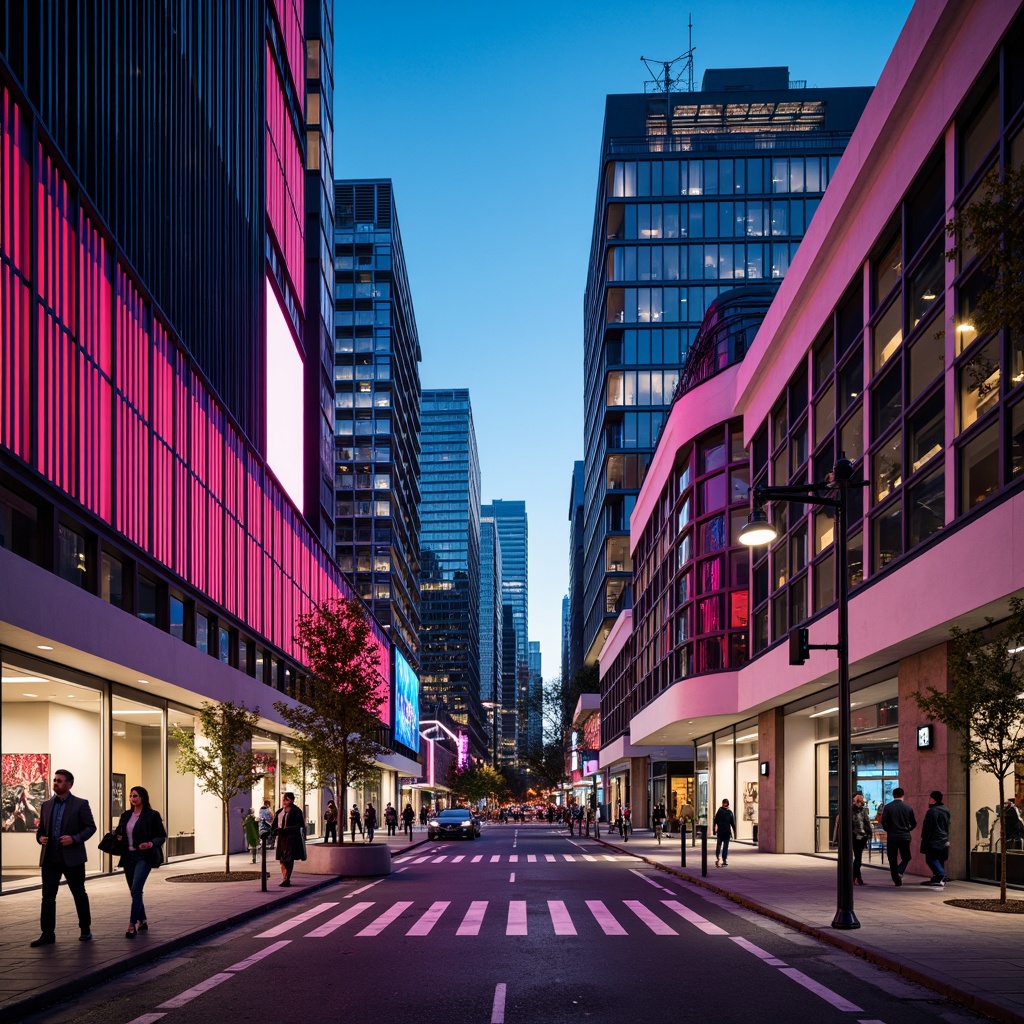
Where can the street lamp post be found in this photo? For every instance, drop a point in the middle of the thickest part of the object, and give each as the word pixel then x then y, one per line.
pixel 832 493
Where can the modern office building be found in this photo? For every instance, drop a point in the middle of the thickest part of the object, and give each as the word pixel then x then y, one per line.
pixel 869 350
pixel 508 727
pixel 450 562
pixel 491 631
pixel 575 661
pixel 534 699
pixel 566 636
pixel 697 193
pixel 376 411
pixel 157 535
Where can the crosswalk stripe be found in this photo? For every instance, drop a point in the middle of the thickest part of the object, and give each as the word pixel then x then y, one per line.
pixel 550 857
pixel 294 922
pixel 569 857
pixel 516 918
pixel 651 920
pixel 560 918
pixel 473 919
pixel 587 856
pixel 461 856
pixel 513 858
pixel 420 860
pixel 399 860
pixel 531 858
pixel 608 856
pixel 495 859
pixel 338 921
pixel 444 856
pixel 429 919
pixel 694 918
pixel 476 860
pixel 604 918
pixel 384 920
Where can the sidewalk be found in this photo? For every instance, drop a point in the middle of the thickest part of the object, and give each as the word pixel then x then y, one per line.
pixel 973 957
pixel 179 914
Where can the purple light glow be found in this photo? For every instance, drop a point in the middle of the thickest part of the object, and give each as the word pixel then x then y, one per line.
pixel 284 401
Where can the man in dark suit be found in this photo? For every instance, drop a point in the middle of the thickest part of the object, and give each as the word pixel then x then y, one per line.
pixel 65 824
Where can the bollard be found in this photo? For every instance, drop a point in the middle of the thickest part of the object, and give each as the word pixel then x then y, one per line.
pixel 263 866
pixel 703 829
pixel 682 841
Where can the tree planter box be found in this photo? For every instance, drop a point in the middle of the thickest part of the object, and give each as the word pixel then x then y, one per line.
pixel 354 860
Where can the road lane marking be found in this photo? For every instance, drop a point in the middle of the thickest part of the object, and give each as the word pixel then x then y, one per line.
pixel 604 918
pixel 495 859
pixel 649 881
pixel 513 858
pixel 498 1009
pixel 437 860
pixel 473 919
pixel 294 922
pixel 531 858
pixel 429 919
pixel 701 922
pixel 516 918
pixel 148 1018
pixel 608 856
pixel 420 860
pixel 356 892
pixel 461 856
pixel 818 989
pixel 569 857
pixel 763 954
pixel 650 919
pixel 195 991
pixel 384 920
pixel 257 957
pixel 398 860
pixel 476 860
pixel 400 870
pixel 549 857
pixel 588 856
pixel 560 918
pixel 338 921
pixel 512 877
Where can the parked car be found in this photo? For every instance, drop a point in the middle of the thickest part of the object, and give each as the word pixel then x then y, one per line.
pixel 454 823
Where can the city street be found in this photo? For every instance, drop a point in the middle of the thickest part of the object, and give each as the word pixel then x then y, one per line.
pixel 523 925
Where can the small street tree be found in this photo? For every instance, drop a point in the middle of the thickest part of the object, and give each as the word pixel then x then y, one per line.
pixel 338 720
pixel 984 705
pixel 476 782
pixel 224 765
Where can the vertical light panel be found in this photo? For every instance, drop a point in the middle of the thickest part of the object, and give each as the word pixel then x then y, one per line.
pixel 284 401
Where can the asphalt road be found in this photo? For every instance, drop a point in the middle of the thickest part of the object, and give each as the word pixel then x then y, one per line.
pixel 522 926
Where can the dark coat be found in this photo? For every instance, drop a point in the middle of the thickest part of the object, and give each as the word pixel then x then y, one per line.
pixel 725 823
pixel 148 829
pixel 290 832
pixel 898 819
pixel 77 822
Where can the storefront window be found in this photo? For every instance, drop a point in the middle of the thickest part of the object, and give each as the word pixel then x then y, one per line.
pixel 48 723
pixel 746 751
pixel 135 756
pixel 182 793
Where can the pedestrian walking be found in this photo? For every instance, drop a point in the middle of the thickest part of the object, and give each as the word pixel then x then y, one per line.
pixel 65 823
pixel 252 832
pixel 898 821
pixel 408 817
pixel 331 822
pixel 657 817
pixel 935 839
pixel 627 823
pixel 370 821
pixel 862 832
pixel 290 829
pixel 355 821
pixel 724 824
pixel 423 817
pixel 142 830
pixel 390 818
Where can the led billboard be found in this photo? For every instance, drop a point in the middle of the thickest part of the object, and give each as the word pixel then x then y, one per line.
pixel 407 703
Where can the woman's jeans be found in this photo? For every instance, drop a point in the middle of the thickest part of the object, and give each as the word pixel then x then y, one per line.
pixel 331 830
pixel 136 871
pixel 722 846
pixel 859 846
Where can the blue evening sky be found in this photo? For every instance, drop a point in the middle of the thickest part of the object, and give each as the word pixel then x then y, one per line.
pixel 487 116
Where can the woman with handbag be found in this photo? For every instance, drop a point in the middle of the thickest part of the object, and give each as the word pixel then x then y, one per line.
pixel 289 827
pixel 142 833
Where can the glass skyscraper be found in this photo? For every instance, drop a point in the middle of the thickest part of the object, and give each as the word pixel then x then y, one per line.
pixel 490 628
pixel 450 562
pixel 376 410
pixel 698 193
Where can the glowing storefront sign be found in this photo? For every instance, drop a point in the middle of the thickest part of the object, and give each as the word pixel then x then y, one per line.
pixel 407 703
pixel 463 750
pixel 284 400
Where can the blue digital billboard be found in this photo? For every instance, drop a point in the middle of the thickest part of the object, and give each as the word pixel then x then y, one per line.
pixel 407 703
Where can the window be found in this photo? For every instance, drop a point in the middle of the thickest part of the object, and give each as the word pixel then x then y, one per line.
pixel 71 561
pixel 851 381
pixel 978 384
pixel 18 525
pixel 926 432
pixel 888 333
pixel 926 286
pixel 887 467
pixel 978 135
pixel 887 400
pixel 888 536
pixel 887 268
pixel 202 633
pixel 111 580
pixel 147 599
pixel 979 468
pixel 926 507
pixel 927 359
pixel 1017 439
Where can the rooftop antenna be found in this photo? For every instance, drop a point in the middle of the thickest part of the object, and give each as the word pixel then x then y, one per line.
pixel 662 79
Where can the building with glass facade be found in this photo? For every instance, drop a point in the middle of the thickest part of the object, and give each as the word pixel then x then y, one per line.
pixel 573 660
pixel 163 492
pixel 698 193
pixel 869 351
pixel 490 630
pixel 450 562
pixel 376 411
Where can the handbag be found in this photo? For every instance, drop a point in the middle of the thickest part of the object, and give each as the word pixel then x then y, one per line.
pixel 113 845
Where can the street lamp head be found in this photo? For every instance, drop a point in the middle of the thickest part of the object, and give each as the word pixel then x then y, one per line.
pixel 758 530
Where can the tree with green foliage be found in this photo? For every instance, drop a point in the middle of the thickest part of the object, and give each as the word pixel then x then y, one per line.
pixel 475 782
pixel 984 704
pixel 221 758
pixel 991 227
pixel 338 720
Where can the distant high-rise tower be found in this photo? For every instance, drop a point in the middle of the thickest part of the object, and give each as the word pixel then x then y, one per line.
pixel 450 562
pixel 574 641
pixel 534 697
pixel 508 747
pixel 377 410
pixel 490 629
pixel 513 532
pixel 697 193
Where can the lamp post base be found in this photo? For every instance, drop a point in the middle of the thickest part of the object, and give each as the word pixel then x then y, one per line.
pixel 846 920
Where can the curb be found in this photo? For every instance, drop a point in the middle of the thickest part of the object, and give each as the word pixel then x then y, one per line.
pixel 873 956
pixel 21 1008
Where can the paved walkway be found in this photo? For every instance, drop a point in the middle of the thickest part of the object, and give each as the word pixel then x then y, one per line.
pixel 973 957
pixel 179 914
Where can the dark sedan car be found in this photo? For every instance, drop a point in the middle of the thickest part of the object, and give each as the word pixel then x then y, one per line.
pixel 453 824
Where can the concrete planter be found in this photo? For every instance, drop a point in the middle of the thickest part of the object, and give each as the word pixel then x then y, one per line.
pixel 355 860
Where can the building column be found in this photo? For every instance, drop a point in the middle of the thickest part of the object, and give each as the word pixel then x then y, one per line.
pixel 639 785
pixel 771 829
pixel 940 768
